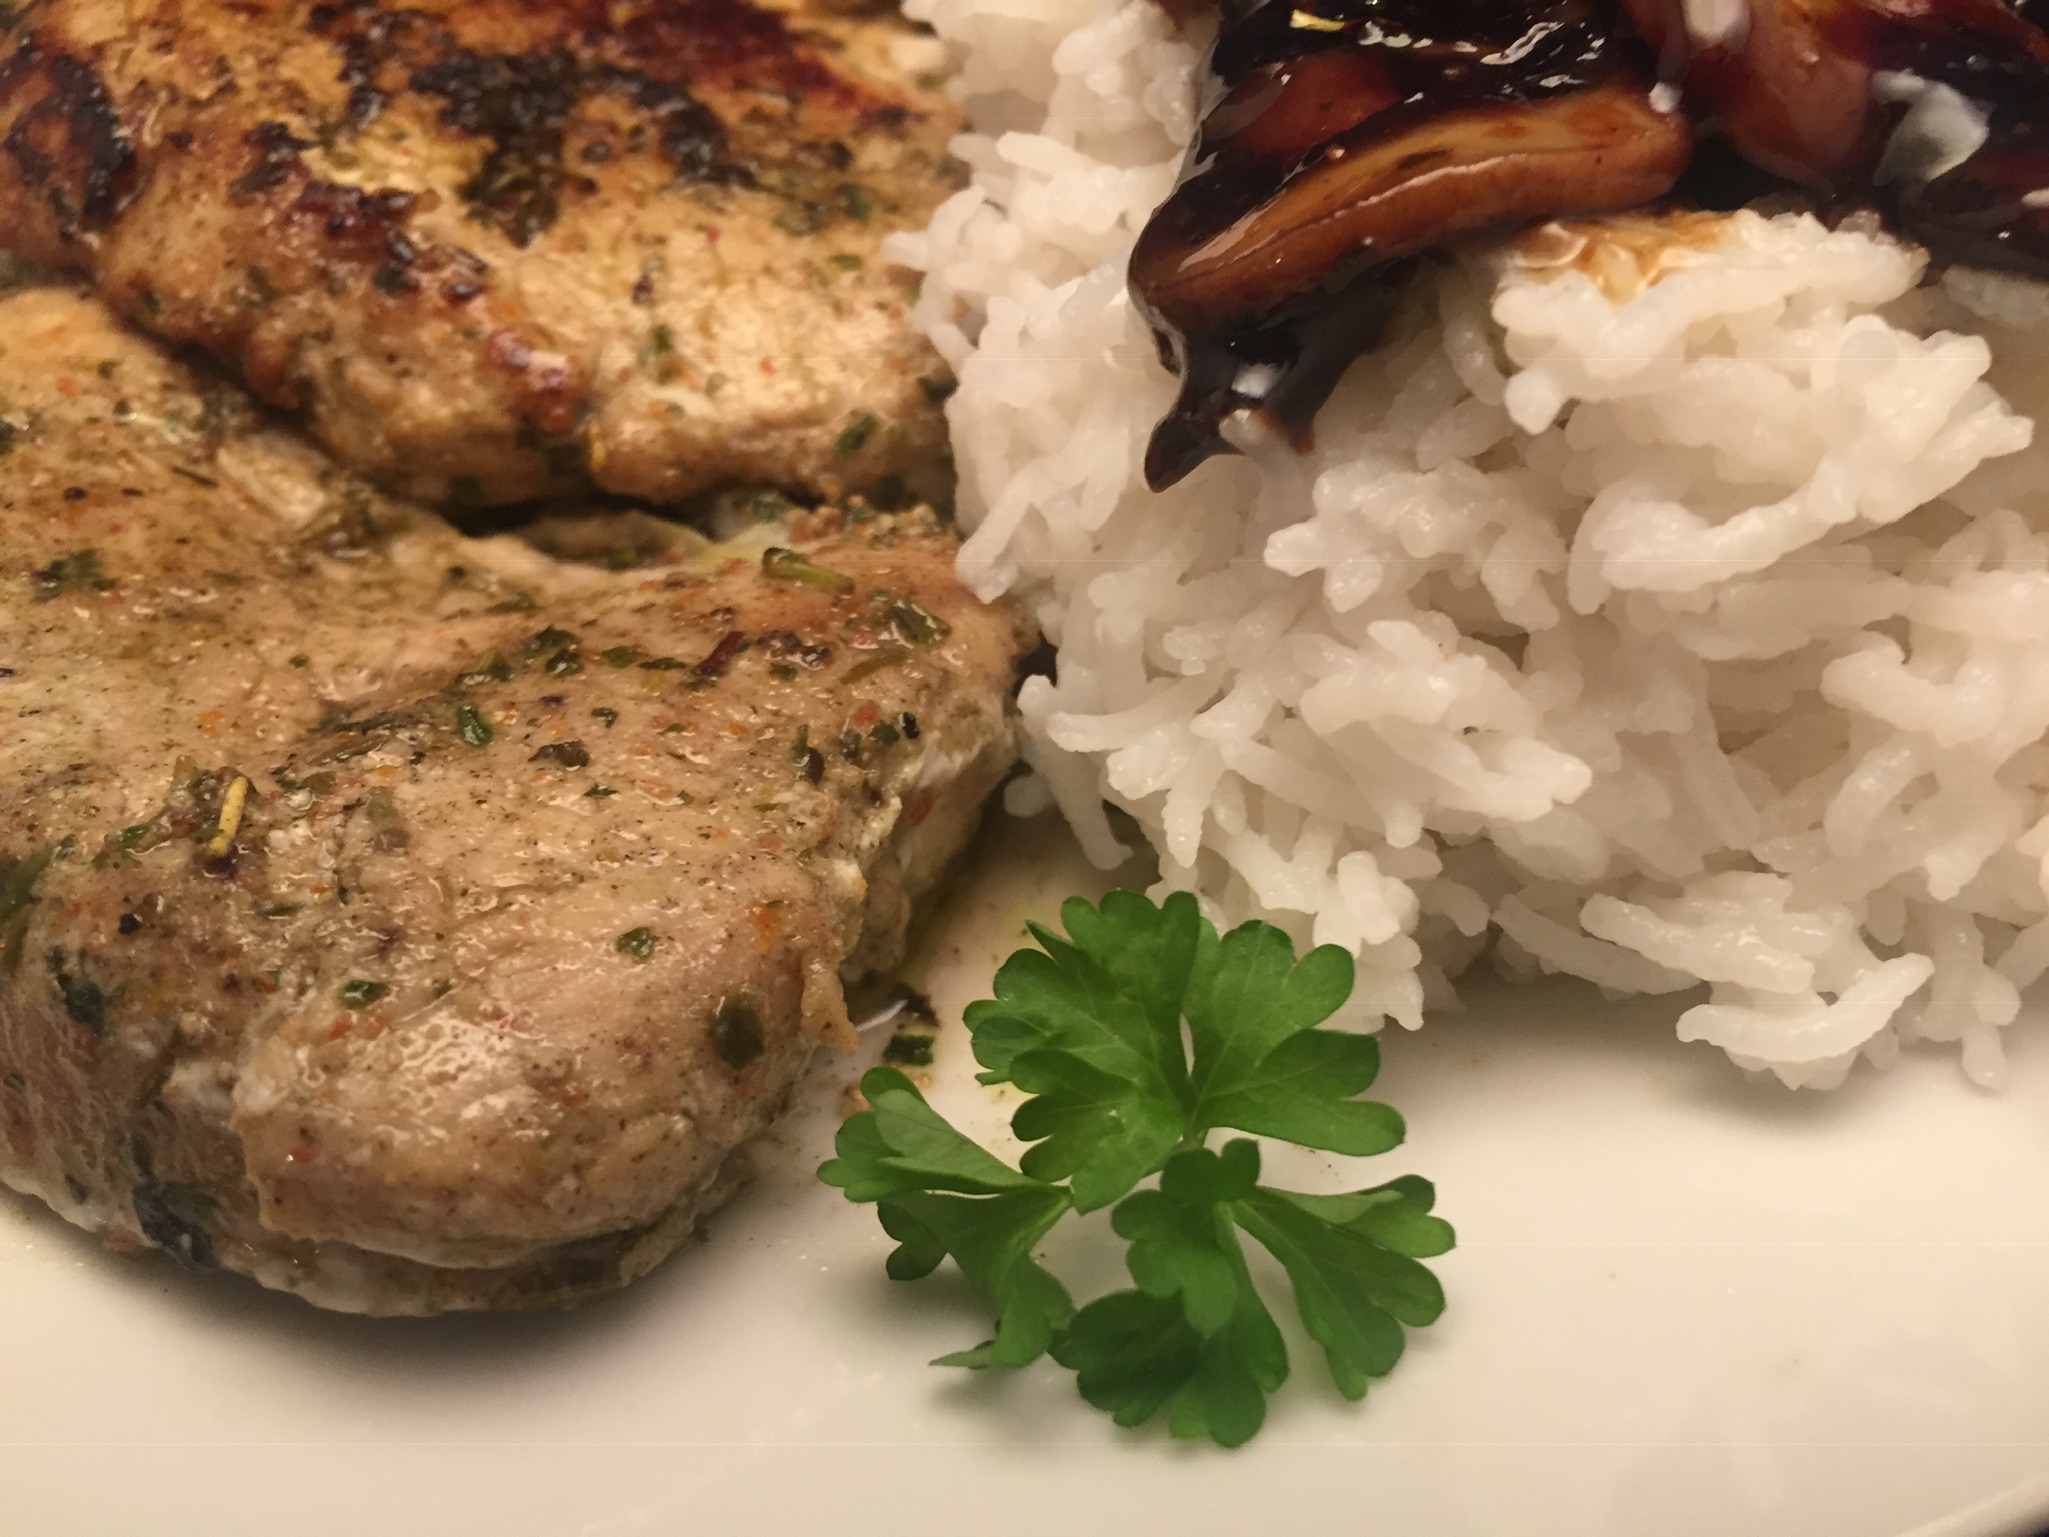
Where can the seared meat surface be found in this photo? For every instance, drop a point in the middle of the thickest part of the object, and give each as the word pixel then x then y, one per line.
pixel 417 922
pixel 495 250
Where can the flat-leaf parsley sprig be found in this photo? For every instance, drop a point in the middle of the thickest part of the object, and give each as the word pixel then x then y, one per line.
pixel 1138 1034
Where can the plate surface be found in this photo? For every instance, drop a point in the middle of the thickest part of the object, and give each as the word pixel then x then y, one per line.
pixel 1683 1304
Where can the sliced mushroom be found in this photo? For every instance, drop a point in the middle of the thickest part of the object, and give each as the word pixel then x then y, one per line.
pixel 1938 110
pixel 1345 135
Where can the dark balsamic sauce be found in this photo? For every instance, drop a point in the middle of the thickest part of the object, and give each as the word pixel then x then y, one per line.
pixel 1295 88
pixel 1977 213
pixel 1283 364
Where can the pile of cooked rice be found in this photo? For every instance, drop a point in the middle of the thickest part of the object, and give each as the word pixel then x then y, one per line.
pixel 1666 603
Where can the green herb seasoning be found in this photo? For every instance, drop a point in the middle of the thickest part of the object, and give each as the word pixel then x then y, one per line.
pixel 736 1033
pixel 605 713
pixel 79 571
pixel 139 837
pixel 876 661
pixel 357 993
pixel 856 435
pixel 471 726
pixel 907 1049
pixel 638 943
pixel 620 656
pixel 85 1001
pixel 788 566
pixel 918 624
pixel 497 670
pixel 18 879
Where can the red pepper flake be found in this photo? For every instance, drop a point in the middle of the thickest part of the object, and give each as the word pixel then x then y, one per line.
pixel 866 715
pixel 767 365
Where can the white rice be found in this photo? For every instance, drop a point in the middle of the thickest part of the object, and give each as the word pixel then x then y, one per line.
pixel 1683 628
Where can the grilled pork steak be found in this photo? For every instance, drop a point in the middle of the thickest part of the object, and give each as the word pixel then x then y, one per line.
pixel 415 922
pixel 492 249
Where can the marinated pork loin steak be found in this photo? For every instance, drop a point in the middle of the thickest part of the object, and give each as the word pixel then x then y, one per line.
pixel 415 922
pixel 491 247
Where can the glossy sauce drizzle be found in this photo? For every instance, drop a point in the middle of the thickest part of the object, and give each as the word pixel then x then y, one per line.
pixel 1992 208
pixel 1341 138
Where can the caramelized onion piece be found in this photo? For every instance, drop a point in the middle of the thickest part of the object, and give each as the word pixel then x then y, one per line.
pixel 1342 136
pixel 1935 110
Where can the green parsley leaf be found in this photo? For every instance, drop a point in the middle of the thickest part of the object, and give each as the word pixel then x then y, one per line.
pixel 1092 1028
pixel 901 1143
pixel 1136 1034
pixel 1261 1066
pixel 941 1194
pixel 1355 1280
pixel 1195 1338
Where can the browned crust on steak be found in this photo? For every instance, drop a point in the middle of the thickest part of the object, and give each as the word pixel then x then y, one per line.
pixel 542 878
pixel 500 250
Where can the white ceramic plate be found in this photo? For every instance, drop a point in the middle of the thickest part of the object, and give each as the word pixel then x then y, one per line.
pixel 1683 1305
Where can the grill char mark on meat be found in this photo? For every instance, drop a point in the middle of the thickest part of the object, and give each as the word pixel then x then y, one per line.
pixel 69 146
pixel 497 250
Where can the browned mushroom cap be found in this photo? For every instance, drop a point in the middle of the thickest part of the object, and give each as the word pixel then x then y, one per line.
pixel 1936 110
pixel 1344 135
pixel 1788 102
pixel 1598 150
pixel 1791 82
